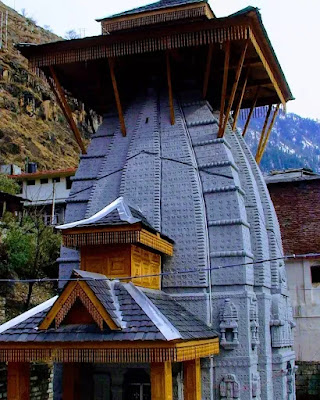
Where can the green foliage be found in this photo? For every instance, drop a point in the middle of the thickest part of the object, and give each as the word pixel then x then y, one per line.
pixel 28 249
pixel 8 185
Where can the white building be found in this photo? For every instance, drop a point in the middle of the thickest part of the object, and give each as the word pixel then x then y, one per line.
pixel 47 192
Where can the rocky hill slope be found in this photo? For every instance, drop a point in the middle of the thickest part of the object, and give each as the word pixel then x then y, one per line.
pixel 294 142
pixel 31 124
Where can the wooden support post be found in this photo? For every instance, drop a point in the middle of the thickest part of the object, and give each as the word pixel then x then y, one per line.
pixel 224 86
pixel 18 386
pixel 261 141
pixel 161 381
pixel 243 90
pixel 234 88
pixel 265 142
pixel 172 117
pixel 251 111
pixel 192 379
pixel 61 99
pixel 117 96
pixel 71 381
pixel 207 71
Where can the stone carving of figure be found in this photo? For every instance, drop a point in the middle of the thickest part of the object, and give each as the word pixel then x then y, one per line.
pixel 229 325
pixel 229 388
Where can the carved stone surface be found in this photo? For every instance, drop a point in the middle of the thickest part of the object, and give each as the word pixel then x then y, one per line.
pixel 209 196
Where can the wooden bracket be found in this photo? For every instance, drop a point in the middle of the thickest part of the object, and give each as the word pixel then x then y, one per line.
pixel 243 90
pixel 61 99
pixel 251 111
pixel 172 116
pixel 224 87
pixel 234 89
pixel 265 135
pixel 117 97
pixel 207 71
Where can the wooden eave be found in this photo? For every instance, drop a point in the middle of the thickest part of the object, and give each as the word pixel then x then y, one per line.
pixel 72 57
pixel 117 234
pixel 109 351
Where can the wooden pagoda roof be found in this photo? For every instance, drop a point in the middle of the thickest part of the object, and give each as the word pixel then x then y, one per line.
pixel 82 65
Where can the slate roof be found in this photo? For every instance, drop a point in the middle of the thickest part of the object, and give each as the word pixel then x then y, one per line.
pixel 135 314
pixel 153 7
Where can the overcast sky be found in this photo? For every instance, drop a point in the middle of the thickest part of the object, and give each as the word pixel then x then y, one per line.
pixel 293 27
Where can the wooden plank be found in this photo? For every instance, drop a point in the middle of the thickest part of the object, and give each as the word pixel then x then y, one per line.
pixel 192 379
pixel 243 91
pixel 18 385
pixel 251 111
pixel 117 97
pixel 224 86
pixel 59 93
pixel 161 381
pixel 264 129
pixel 234 88
pixel 172 116
pixel 264 145
pixel 207 71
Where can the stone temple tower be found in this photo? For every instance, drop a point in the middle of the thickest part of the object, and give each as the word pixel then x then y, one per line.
pixel 175 82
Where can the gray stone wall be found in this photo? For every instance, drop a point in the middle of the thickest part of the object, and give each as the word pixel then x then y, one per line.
pixel 40 382
pixel 308 380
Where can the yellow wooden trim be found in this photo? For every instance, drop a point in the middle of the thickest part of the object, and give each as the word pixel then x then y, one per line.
pixel 263 147
pixel 264 130
pixel 45 324
pixel 106 317
pixel 267 68
pixel 155 242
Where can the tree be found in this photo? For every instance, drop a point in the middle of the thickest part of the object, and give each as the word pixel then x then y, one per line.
pixel 8 185
pixel 29 250
pixel 72 34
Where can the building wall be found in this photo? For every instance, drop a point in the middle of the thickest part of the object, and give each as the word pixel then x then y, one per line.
pixel 43 193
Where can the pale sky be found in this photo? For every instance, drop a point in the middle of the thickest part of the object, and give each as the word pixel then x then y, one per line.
pixel 293 27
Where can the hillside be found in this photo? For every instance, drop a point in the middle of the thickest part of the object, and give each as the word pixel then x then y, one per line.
pixel 294 142
pixel 31 124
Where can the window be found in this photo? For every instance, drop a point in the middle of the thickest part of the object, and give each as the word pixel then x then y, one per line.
pixel 68 182
pixel 31 182
pixel 56 180
pixel 44 181
pixel 315 274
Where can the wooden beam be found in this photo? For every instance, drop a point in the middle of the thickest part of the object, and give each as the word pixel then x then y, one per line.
pixel 117 96
pixel 207 71
pixel 267 68
pixel 18 385
pixel 71 381
pixel 237 111
pixel 161 381
pixel 251 111
pixel 224 86
pixel 264 145
pixel 61 99
pixel 172 116
pixel 264 129
pixel 192 379
pixel 234 88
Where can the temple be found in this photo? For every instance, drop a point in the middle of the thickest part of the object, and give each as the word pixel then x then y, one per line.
pixel 172 278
